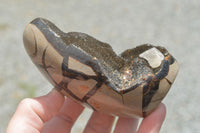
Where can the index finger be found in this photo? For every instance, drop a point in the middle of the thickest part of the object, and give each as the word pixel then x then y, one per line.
pixel 32 113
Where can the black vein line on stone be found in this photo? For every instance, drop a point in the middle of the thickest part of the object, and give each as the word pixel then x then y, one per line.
pixel 168 81
pixel 122 98
pixel 35 42
pixel 72 94
pixel 65 84
pixel 92 92
pixel 56 84
pixel 45 67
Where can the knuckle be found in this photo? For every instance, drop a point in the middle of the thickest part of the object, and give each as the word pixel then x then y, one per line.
pixel 27 102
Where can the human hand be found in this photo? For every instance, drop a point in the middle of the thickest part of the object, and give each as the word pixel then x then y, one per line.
pixel 53 113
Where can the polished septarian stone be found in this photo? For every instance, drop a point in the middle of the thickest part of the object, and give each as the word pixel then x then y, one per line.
pixel 89 72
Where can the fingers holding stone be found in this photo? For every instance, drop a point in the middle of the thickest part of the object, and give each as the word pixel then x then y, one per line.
pixel 65 119
pixel 128 125
pixel 32 113
pixel 99 123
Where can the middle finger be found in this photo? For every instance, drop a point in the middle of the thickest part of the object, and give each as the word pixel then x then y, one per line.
pixel 99 123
